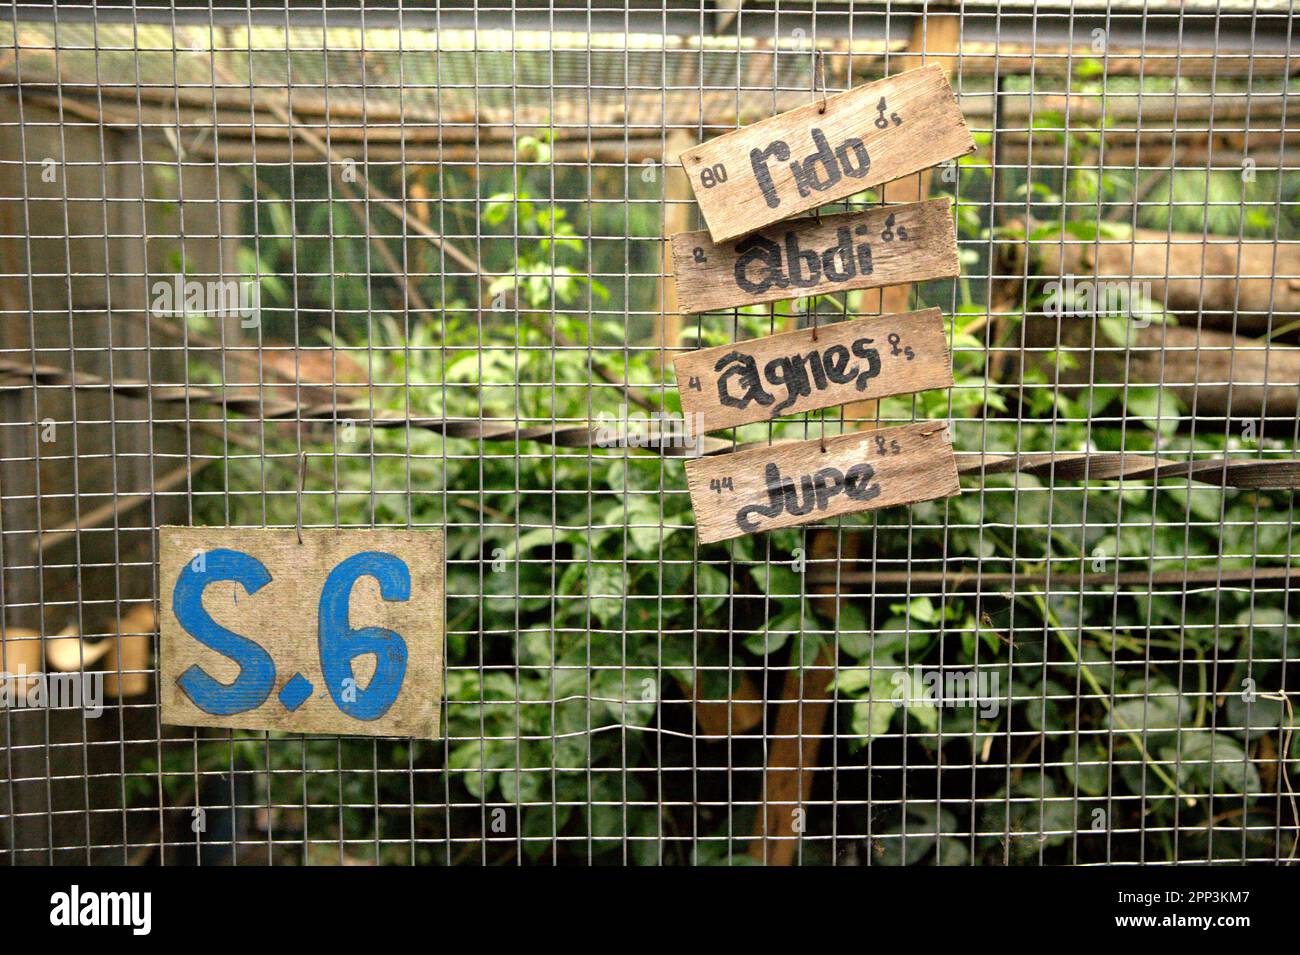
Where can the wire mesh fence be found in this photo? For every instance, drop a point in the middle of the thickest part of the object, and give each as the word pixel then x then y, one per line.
pixel 332 266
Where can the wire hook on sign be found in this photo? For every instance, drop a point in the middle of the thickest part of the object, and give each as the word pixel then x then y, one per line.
pixel 819 65
pixel 302 483
pixel 812 313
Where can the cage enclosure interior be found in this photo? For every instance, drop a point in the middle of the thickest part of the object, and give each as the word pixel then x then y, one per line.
pixel 708 433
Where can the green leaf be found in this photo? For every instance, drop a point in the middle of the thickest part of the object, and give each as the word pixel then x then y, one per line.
pixel 521 785
pixel 854 636
pixel 1260 716
pixel 776 632
pixel 1158 408
pixel 1092 773
pixel 921 609
pixel 606 586
pixel 712 586
pixel 878 698
pixel 777 581
pixel 918 700
pixel 1204 754
pixel 1159 711
pixel 871 717
pixel 852 680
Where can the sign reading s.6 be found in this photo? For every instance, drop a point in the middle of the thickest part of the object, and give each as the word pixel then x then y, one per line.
pixel 342 633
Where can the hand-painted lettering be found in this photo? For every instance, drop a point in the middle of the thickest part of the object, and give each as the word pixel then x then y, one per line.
pixel 796 376
pixel 819 171
pixel 256 669
pixel 763 264
pixel 814 491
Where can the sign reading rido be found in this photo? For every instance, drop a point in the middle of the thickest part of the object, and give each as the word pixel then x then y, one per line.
pixel 827 150
pixel 341 633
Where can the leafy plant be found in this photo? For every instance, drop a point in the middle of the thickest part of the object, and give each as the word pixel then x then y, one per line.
pixel 583 615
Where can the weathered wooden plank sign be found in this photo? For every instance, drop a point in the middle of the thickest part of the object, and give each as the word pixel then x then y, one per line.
pixel 801 371
pixel 885 246
pixel 342 633
pixel 815 154
pixel 797 483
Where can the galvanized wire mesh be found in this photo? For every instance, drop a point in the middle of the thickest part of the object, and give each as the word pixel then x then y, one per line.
pixel 425 248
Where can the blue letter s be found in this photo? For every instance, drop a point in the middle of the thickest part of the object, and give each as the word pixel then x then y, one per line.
pixel 257 669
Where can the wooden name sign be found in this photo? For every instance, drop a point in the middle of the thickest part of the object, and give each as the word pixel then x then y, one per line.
pixel 342 633
pixel 816 154
pixel 797 483
pixel 890 245
pixel 793 372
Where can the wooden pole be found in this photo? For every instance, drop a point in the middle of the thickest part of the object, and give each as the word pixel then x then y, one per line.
pixel 677 218
pixel 801 716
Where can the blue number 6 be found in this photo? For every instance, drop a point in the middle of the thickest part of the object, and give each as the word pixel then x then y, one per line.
pixel 340 645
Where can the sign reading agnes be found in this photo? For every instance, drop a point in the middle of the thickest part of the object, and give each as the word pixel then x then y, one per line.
pixel 782 485
pixel 825 151
pixel 891 245
pixel 796 372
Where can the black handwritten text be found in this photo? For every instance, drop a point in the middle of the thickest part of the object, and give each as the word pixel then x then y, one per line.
pixel 740 382
pixel 763 264
pixel 814 491
pixel 820 170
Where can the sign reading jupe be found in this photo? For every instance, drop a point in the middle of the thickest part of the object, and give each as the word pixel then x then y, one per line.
pixel 805 370
pixel 341 633
pixel 891 245
pixel 815 154
pixel 782 485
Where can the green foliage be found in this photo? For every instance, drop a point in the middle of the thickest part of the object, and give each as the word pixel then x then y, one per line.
pixel 582 611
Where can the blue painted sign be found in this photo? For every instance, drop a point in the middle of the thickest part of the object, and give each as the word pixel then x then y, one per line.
pixel 340 633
